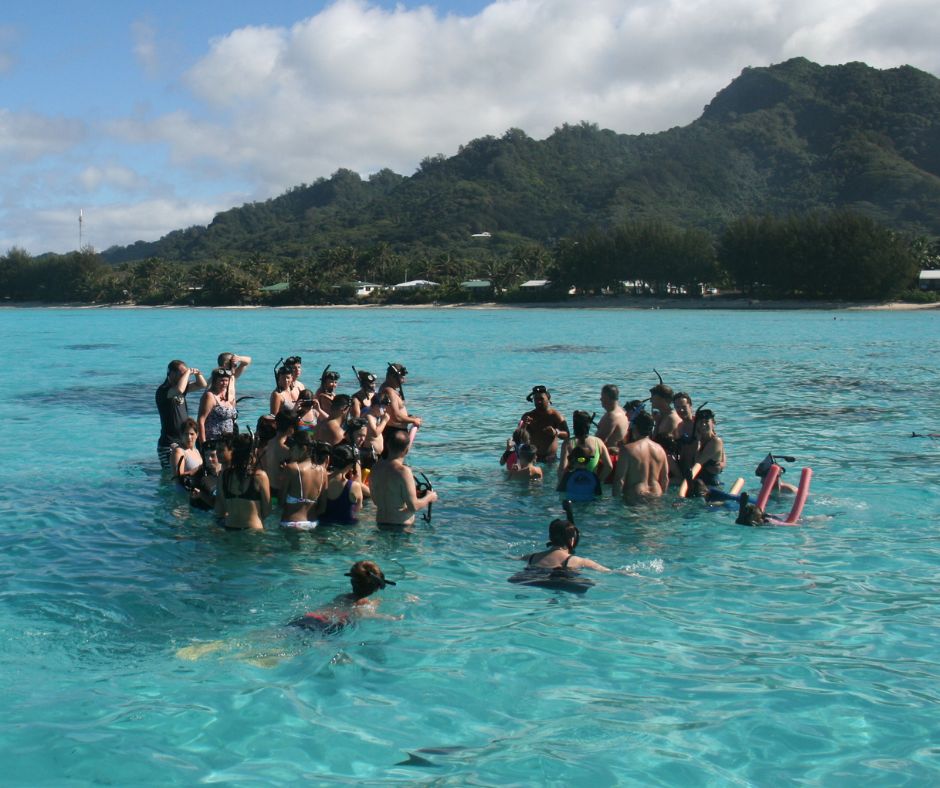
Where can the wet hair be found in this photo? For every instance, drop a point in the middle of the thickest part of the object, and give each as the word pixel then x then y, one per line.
pixel 342 456
pixel 285 419
pixel 662 390
pixel 397 440
pixel 306 396
pixel 340 402
pixel 225 359
pixel 525 452
pixel 520 435
pixel 681 395
pixel 243 451
pixel 320 451
pixel 397 369
pixel 643 424
pixel 561 533
pixel 266 428
pixel 354 424
pixel 366 578
pixel 174 365
pixel 189 424
pixel 582 423
pixel 610 390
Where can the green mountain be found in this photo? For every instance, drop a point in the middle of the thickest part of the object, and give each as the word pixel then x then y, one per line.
pixel 787 138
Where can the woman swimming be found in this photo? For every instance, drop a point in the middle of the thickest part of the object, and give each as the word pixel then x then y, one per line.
pixel 366 578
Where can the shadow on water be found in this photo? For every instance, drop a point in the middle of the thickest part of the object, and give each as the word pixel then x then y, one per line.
pixel 562 349
pixel 122 399
pixel 92 346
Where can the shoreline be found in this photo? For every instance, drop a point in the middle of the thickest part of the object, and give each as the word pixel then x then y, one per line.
pixel 636 303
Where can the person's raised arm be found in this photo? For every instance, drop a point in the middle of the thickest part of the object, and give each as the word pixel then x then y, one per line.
pixel 240 364
pixel 205 406
pixel 198 381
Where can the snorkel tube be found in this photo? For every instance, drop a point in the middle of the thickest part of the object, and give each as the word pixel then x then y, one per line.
pixel 422 488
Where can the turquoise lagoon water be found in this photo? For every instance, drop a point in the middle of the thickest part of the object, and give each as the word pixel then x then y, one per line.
pixel 729 655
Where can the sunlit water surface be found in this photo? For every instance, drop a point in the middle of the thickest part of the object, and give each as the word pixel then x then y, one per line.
pixel 729 655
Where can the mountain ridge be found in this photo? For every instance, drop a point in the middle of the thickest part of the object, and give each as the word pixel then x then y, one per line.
pixel 778 139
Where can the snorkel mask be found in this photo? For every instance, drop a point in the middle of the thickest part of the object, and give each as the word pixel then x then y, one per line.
pixel 538 390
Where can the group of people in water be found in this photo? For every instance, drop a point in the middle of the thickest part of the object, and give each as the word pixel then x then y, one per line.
pixel 639 453
pixel 319 455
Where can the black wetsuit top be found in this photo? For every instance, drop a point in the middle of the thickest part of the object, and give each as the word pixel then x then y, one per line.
pixel 172 412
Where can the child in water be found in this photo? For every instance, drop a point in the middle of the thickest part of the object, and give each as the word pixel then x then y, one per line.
pixel 525 467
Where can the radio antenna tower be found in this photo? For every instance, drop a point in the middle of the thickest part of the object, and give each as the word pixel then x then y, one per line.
pixel 80 220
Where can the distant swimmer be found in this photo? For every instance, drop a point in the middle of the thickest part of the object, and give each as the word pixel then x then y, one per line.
pixel 392 393
pixel 643 470
pixel 557 568
pixel 545 425
pixel 366 578
pixel 393 485
pixel 171 406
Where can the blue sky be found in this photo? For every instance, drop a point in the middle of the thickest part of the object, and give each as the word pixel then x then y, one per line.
pixel 151 117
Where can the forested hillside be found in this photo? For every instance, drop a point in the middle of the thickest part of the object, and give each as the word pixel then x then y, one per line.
pixel 791 137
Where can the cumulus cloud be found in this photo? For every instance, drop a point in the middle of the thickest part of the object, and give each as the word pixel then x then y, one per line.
pixel 110 175
pixel 363 87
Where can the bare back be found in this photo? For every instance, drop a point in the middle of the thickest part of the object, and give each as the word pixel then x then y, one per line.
pixel 643 471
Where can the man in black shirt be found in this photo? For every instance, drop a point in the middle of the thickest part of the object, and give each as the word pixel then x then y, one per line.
pixel 171 405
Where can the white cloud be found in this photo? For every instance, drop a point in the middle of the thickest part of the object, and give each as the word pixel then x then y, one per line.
pixel 28 136
pixel 105 225
pixel 364 87
pixel 144 35
pixel 112 175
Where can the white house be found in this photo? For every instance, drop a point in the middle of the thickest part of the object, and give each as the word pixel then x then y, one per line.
pixel 476 284
pixel 414 284
pixel 929 280
pixel 482 235
pixel 535 284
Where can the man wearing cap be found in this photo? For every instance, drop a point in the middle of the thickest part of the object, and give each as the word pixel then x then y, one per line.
pixel 544 424
pixel 391 396
pixel 171 405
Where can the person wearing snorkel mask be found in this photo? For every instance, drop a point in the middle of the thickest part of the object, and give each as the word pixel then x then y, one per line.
pixel 643 470
pixel 583 450
pixel 329 379
pixel 391 395
pixel 362 399
pixel 545 424
pixel 710 449
pixel 286 393
pixel 237 366
pixel 667 421
pixel 331 430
